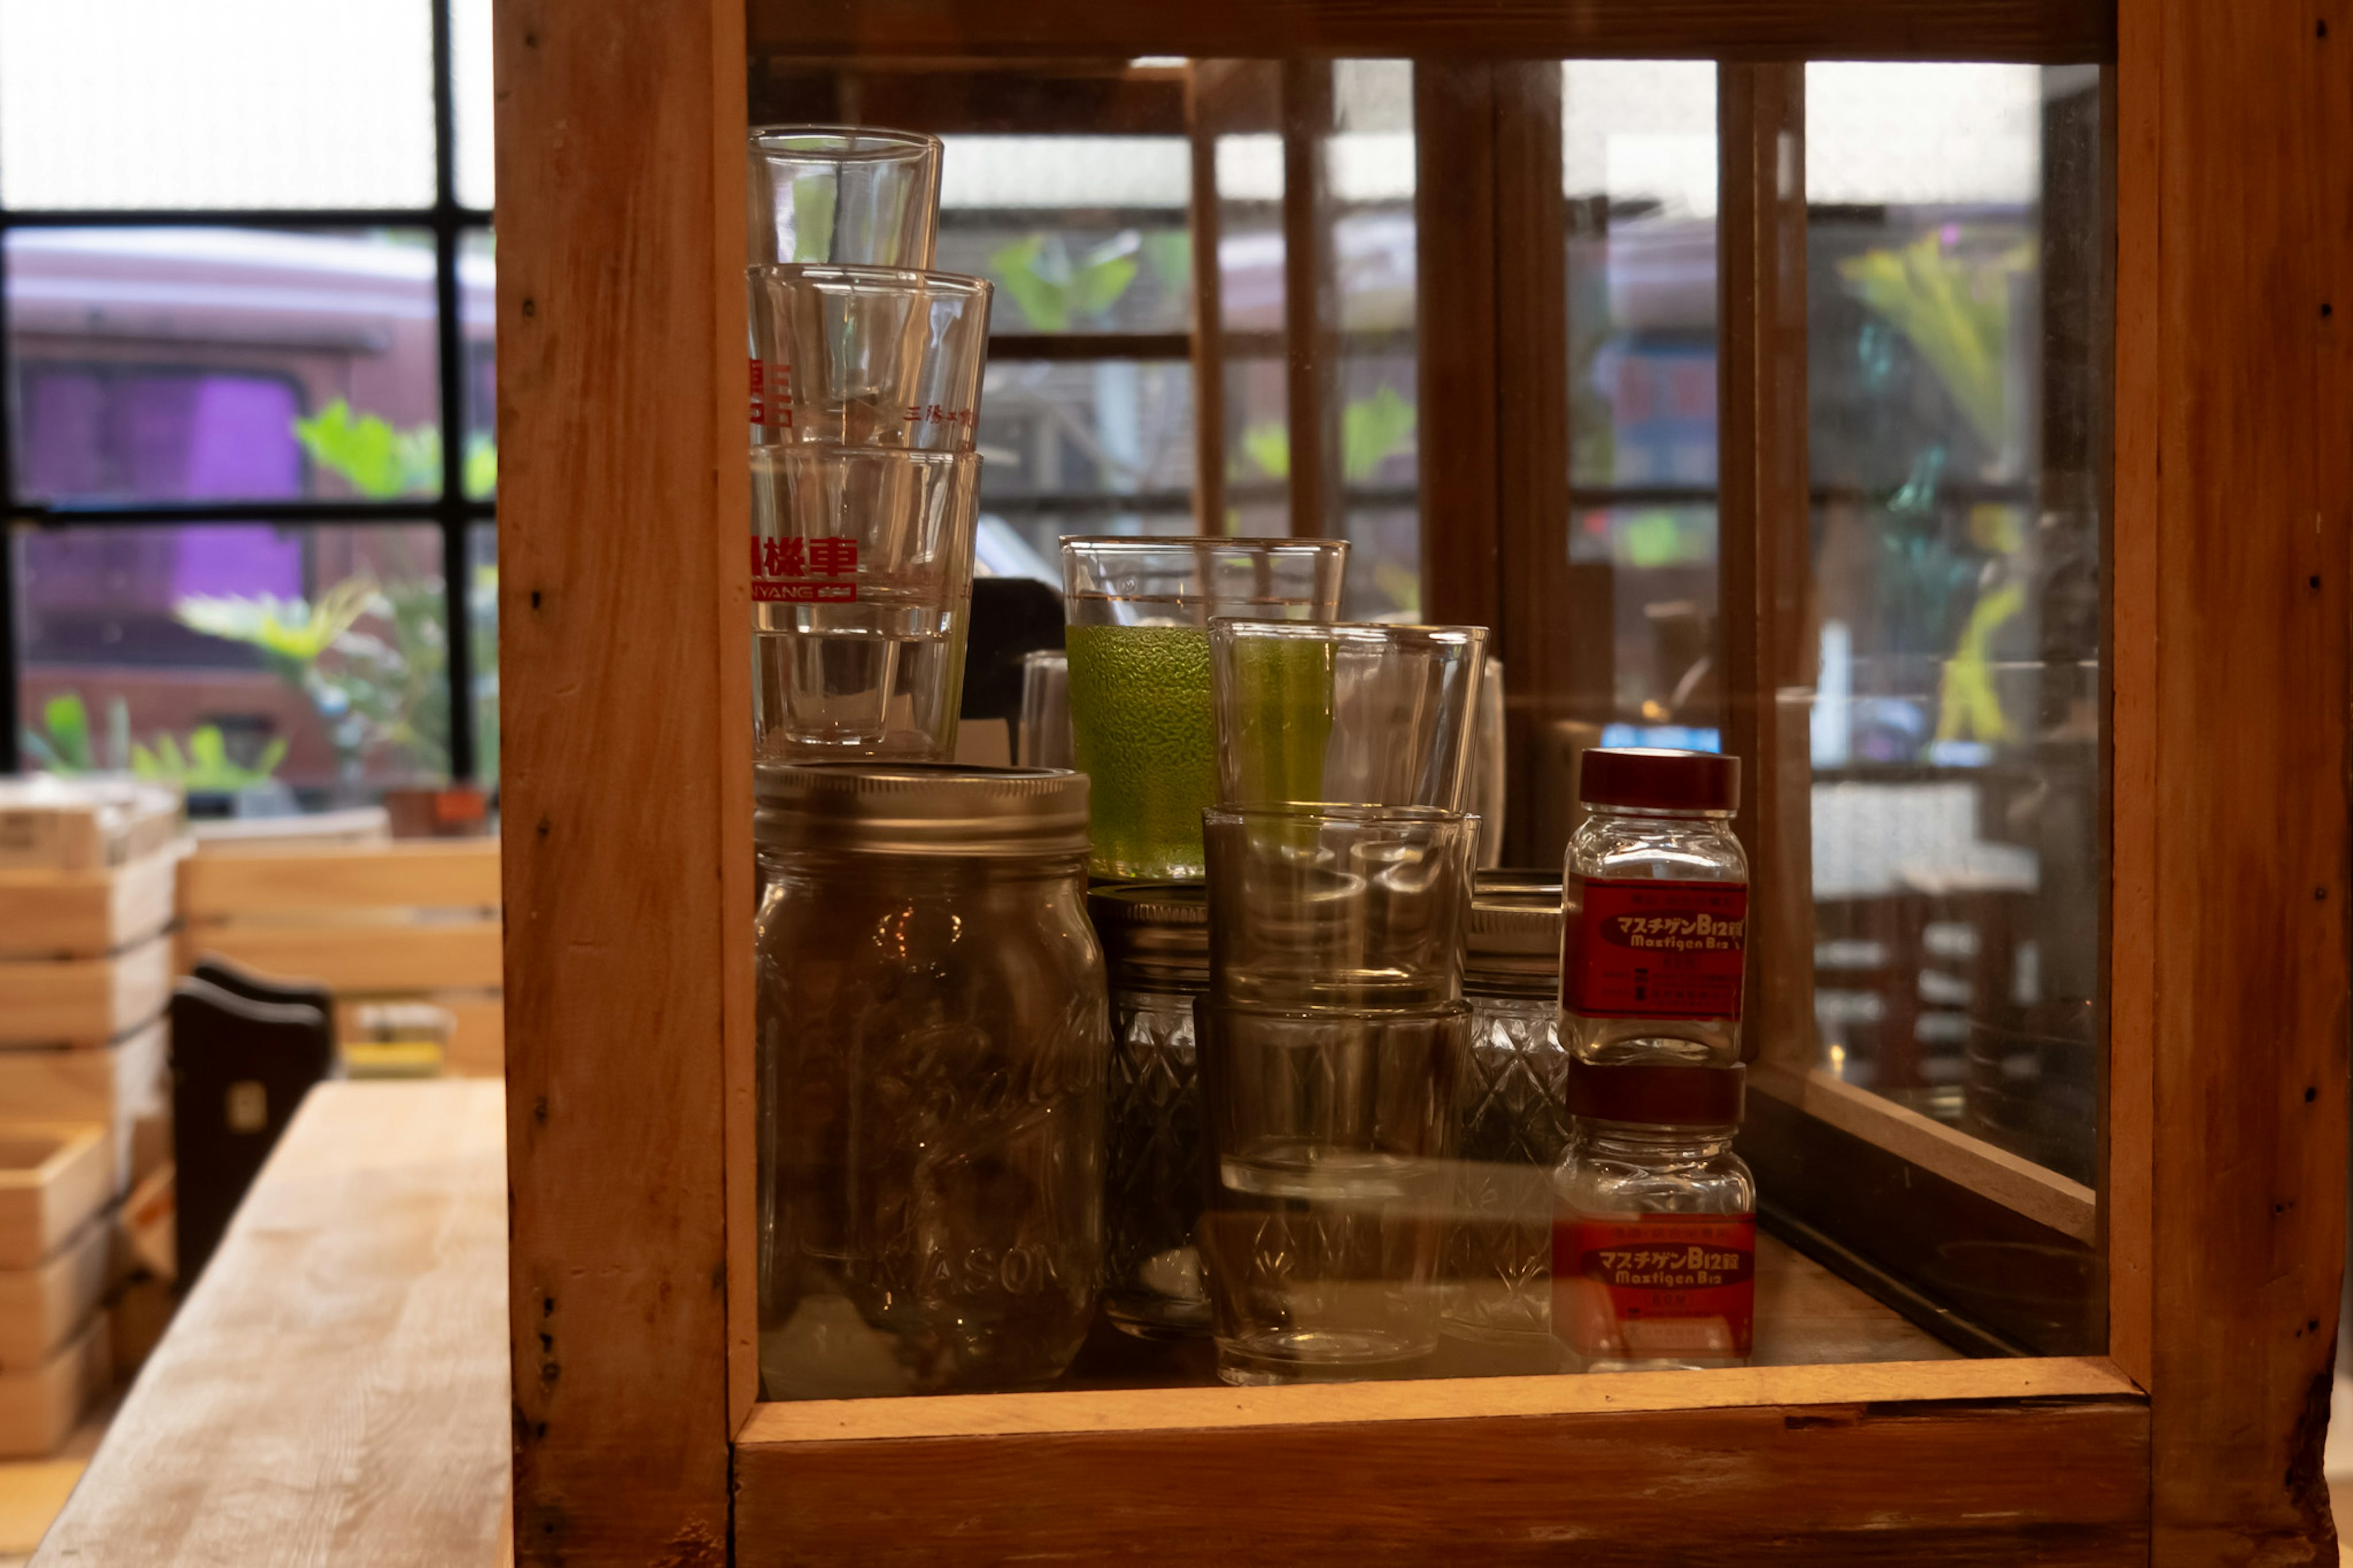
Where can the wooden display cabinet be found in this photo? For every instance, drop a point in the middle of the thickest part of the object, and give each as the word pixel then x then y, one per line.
pixel 2190 1429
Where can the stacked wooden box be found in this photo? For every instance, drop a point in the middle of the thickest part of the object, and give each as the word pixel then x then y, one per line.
pixel 413 922
pixel 87 880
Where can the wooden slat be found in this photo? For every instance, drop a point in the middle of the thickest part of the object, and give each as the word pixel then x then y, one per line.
pixel 1433 1399
pixel 1765 560
pixel 1208 335
pixel 117 1086
pixel 335 1390
pixel 2017 1183
pixel 1983 1479
pixel 393 956
pixel 1311 302
pixel 1445 29
pixel 82 914
pixel 1537 633
pixel 83 1001
pixel 54 1175
pixel 2248 210
pixel 462 874
pixel 1454 304
pixel 39 1406
pixel 626 715
pixel 2127 1130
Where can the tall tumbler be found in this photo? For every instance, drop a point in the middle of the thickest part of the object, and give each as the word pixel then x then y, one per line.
pixel 1138 642
pixel 1331 1046
pixel 853 196
pixel 867 356
pixel 862 590
pixel 1348 713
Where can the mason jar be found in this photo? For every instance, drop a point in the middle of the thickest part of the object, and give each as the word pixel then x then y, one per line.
pixel 1155 937
pixel 1513 1118
pixel 931 1037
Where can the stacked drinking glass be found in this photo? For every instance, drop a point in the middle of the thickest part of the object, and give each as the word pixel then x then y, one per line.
pixel 865 383
pixel 1340 864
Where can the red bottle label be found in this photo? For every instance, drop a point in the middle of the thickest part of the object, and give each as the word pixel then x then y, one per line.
pixel 1639 1285
pixel 1641 949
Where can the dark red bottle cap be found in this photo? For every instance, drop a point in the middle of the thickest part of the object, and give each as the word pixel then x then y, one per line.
pixel 1657 779
pixel 1660 1094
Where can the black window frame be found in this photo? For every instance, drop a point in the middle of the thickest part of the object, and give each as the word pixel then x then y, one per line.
pixel 452 513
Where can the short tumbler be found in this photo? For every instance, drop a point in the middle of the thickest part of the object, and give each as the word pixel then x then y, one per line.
pixel 1337 906
pixel 849 195
pixel 1139 650
pixel 1358 714
pixel 861 585
pixel 868 357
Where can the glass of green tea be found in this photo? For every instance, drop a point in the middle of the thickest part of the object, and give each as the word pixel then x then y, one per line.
pixel 1143 727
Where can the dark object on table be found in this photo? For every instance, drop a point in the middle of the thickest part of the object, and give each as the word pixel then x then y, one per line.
pixel 1010 617
pixel 244 1053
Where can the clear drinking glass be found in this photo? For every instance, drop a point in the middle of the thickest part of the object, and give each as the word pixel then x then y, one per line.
pixel 1337 906
pixel 862 588
pixel 854 195
pixel 1356 714
pixel 1141 716
pixel 1045 739
pixel 867 356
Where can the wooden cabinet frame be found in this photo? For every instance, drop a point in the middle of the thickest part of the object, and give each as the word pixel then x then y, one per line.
pixel 628 869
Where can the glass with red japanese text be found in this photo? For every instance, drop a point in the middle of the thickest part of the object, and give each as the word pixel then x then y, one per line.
pixel 867 356
pixel 1655 910
pixel 1654 1227
pixel 861 583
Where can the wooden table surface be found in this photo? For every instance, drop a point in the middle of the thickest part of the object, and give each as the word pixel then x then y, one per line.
pixel 335 1389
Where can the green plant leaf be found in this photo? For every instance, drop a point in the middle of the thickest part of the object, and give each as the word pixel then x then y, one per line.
pixel 1371 428
pixel 372 457
pixel 1268 444
pixel 1018 269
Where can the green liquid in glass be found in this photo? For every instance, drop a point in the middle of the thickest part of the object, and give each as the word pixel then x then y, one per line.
pixel 1285 689
pixel 1143 735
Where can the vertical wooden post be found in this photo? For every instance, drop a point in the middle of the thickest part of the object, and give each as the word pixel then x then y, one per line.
pixel 1763 558
pixel 2232 311
pixel 1538 636
pixel 1311 300
pixel 1209 310
pixel 1454 228
pixel 625 706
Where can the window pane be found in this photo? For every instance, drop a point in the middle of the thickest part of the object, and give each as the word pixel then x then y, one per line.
pixel 223 365
pixel 482 610
pixel 1102 446
pixel 231 103
pixel 477 280
pixel 1081 234
pixel 1957 383
pixel 1639 168
pixel 309 660
pixel 471 89
pixel 1640 662
pixel 1369 163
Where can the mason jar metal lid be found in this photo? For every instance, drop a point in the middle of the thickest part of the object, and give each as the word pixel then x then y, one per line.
pixel 1514 936
pixel 1153 931
pixel 920 808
